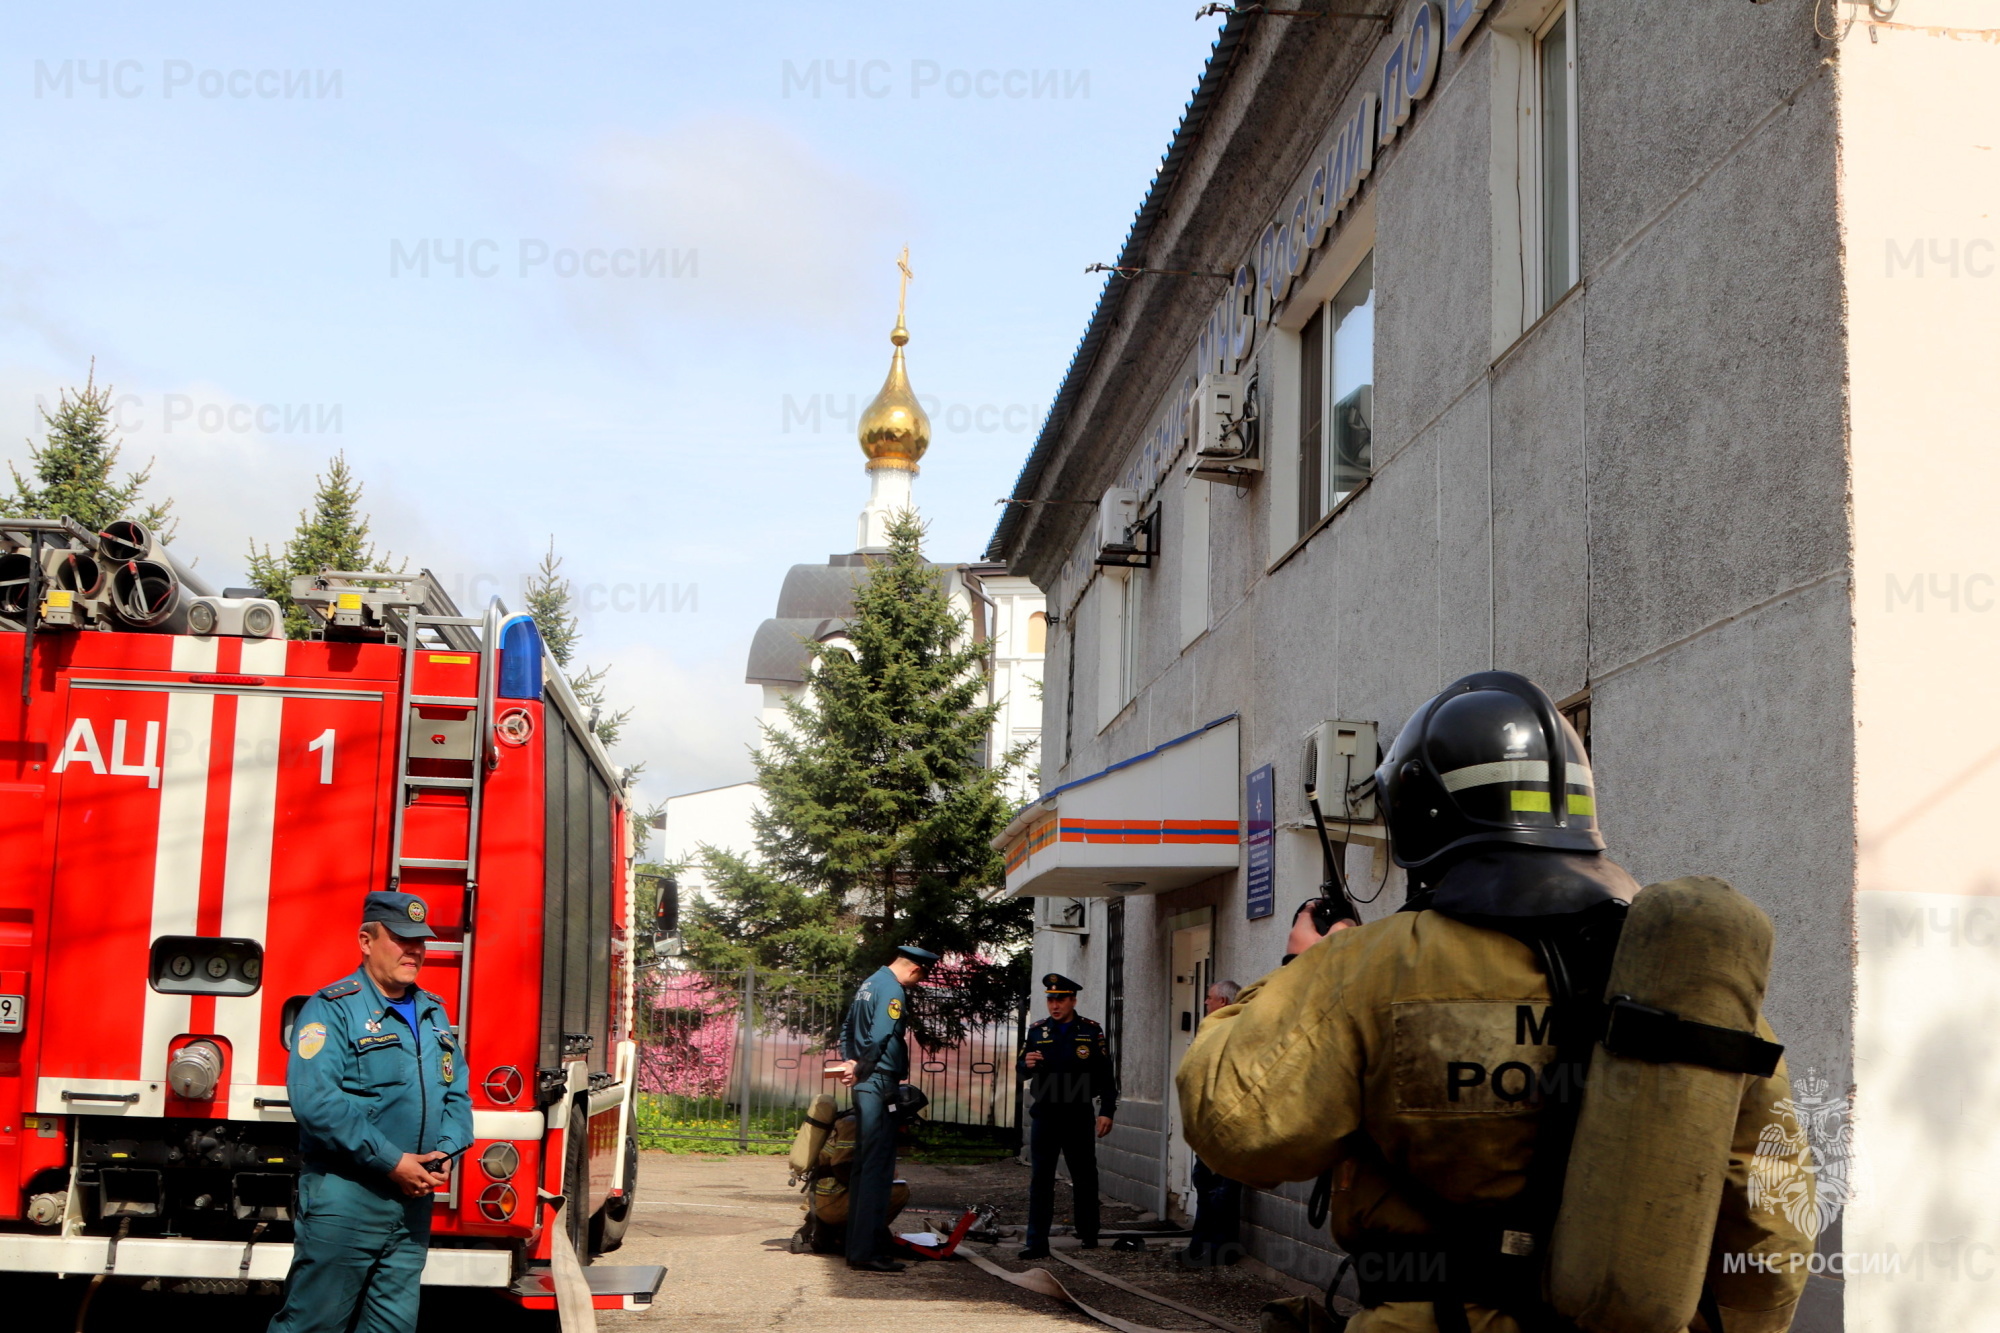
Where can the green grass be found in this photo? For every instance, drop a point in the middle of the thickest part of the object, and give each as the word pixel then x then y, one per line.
pixel 962 1145
pixel 668 1123
pixel 674 1124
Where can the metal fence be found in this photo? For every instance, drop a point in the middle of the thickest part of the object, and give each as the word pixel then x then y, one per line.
pixel 738 1056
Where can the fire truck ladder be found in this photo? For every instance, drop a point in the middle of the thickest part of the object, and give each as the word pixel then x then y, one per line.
pixel 452 632
pixel 415 611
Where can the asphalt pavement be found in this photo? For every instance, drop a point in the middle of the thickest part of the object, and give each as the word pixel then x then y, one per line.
pixel 722 1227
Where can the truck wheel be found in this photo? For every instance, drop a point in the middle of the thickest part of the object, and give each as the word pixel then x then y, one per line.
pixel 576 1180
pixel 607 1229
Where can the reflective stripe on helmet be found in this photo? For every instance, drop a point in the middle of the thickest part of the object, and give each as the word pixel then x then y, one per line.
pixel 1514 770
pixel 1538 802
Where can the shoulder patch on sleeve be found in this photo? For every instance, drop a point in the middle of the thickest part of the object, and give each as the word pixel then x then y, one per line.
pixel 339 989
pixel 311 1040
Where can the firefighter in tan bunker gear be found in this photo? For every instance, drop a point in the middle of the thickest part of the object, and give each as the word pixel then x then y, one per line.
pixel 1431 1063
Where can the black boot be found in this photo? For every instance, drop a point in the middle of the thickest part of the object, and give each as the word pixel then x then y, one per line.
pixel 876 1265
pixel 1034 1252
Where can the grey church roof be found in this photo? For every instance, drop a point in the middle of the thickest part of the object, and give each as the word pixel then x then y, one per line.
pixel 814 604
pixel 819 590
pixel 778 652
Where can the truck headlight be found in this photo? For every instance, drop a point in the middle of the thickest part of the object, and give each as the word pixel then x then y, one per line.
pixel 496 1203
pixel 500 1161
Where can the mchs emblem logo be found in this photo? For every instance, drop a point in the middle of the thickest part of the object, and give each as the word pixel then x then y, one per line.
pixel 1801 1167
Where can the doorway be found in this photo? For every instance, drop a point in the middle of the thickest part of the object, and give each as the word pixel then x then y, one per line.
pixel 1191 964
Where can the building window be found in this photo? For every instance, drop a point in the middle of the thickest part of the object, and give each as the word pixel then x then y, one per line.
pixel 1128 639
pixel 1116 597
pixel 1069 699
pixel 1577 710
pixel 1312 418
pixel 1337 366
pixel 1351 367
pixel 1038 634
pixel 1555 105
pixel 1114 983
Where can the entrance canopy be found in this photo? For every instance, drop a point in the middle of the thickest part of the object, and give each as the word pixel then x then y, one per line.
pixel 1161 820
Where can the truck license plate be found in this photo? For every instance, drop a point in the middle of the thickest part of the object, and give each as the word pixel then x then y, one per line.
pixel 13 1012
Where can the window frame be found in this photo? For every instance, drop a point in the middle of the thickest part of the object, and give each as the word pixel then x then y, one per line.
pixel 1314 374
pixel 1330 503
pixel 1316 502
pixel 1536 241
pixel 1128 639
pixel 1278 369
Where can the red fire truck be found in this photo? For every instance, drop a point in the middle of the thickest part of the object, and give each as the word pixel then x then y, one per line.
pixel 192 807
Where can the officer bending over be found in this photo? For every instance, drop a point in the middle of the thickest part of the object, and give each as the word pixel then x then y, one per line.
pixel 1068 1063
pixel 376 1086
pixel 877 1058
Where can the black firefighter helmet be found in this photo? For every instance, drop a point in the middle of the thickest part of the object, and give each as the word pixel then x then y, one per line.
pixel 1488 760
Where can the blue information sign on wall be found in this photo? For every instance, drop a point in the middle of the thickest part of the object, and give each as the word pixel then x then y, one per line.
pixel 1259 883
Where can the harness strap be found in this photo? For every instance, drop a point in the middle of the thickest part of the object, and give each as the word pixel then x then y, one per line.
pixel 1710 1309
pixel 1320 1205
pixel 1658 1036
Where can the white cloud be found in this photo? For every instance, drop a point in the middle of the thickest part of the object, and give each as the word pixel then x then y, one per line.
pixel 231 481
pixel 780 233
pixel 692 723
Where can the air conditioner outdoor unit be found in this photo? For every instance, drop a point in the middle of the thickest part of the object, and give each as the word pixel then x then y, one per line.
pixel 1222 430
pixel 1339 757
pixel 1124 540
pixel 1066 915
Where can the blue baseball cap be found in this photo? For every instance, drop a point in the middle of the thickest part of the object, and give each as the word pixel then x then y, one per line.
pixel 401 914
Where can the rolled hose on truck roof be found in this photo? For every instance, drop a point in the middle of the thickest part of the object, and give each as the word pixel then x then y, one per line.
pixel 1647 1166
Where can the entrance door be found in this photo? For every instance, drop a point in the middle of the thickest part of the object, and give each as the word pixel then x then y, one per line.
pixel 1192 968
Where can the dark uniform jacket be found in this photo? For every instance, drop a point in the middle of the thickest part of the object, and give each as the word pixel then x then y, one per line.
pixel 1075 1069
pixel 365 1089
pixel 872 1035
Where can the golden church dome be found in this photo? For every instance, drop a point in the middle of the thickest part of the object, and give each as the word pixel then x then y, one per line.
pixel 895 431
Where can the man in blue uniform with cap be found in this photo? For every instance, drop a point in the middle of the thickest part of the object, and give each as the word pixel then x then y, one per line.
pixel 377 1085
pixel 1067 1059
pixel 876 1059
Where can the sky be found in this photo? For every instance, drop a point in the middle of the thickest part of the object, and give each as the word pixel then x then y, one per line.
pixel 616 277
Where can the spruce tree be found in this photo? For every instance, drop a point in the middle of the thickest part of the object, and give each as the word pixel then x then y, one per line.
pixel 75 468
pixel 333 534
pixel 880 810
pixel 550 598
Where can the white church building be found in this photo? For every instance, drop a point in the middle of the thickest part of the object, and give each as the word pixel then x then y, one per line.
pixel 1003 611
